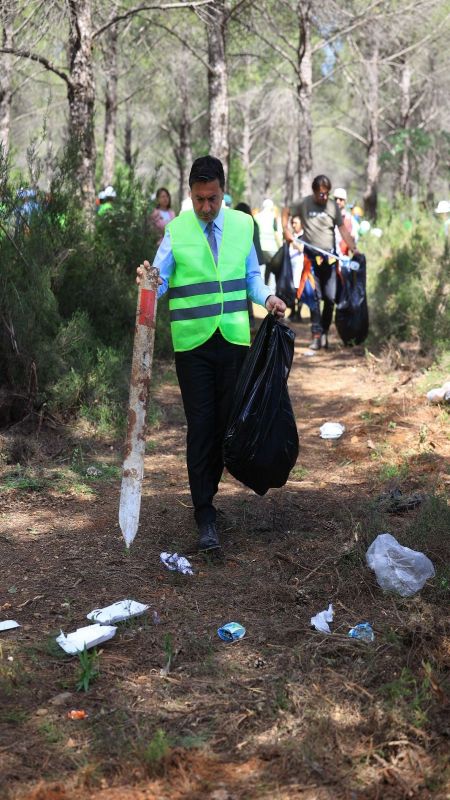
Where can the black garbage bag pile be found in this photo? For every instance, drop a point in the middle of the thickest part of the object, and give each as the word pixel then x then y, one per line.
pixel 261 441
pixel 352 314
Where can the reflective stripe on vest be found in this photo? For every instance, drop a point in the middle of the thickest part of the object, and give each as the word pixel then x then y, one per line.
pixel 204 296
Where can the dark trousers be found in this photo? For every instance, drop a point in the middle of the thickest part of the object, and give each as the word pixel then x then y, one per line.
pixel 207 376
pixel 325 281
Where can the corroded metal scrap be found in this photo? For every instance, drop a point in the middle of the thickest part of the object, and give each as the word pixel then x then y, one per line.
pixel 141 371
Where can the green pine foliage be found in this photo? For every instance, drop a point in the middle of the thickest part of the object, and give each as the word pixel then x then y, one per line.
pixel 68 297
pixel 408 278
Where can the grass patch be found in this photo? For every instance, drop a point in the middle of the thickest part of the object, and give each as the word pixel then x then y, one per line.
pixel 410 694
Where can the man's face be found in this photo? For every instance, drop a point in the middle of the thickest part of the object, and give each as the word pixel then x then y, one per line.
pixel 321 195
pixel 207 199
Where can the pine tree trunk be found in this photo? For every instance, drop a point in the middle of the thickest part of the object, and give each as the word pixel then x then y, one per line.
pixel 304 93
pixel 218 84
pixel 81 97
pixel 405 86
pixel 373 167
pixel 128 138
pixel 6 68
pixel 110 108
pixel 268 172
pixel 246 147
pixel 184 154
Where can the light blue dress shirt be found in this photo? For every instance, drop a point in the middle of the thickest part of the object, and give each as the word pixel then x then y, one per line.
pixel 164 261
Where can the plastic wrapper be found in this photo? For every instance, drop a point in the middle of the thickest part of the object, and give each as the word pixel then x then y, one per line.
pixel 397 568
pixel 352 314
pixel 176 563
pixel 261 441
pixel 117 612
pixel 331 430
pixel 320 621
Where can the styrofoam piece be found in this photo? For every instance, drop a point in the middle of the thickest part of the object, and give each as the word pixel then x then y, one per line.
pixel 88 637
pixel 117 612
pixel 8 624
pixel 331 430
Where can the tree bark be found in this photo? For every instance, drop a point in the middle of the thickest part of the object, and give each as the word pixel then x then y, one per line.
pixel 6 69
pixel 304 94
pixel 184 151
pixel 112 77
pixel 128 138
pixel 246 144
pixel 405 107
pixel 81 97
pixel 218 84
pixel 370 197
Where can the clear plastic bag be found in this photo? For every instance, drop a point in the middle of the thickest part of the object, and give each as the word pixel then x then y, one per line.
pixel 261 440
pixel 398 569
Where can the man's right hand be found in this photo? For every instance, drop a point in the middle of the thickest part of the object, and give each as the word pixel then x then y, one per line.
pixel 288 235
pixel 141 270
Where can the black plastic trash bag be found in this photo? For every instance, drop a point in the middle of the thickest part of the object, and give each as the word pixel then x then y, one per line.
pixel 352 314
pixel 261 441
pixel 285 279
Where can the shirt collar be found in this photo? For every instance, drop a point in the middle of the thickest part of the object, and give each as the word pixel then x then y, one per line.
pixel 218 222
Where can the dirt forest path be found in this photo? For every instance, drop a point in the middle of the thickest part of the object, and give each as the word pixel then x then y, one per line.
pixel 287 712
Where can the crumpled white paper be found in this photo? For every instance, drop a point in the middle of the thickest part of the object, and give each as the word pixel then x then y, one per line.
pixel 177 563
pixel 331 430
pixel 440 395
pixel 321 620
pixel 117 612
pixel 8 624
pixel 90 636
pixel 397 568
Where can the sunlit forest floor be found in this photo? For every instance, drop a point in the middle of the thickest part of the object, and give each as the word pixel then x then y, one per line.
pixel 287 712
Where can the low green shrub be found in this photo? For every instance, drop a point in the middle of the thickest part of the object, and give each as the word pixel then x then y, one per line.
pixel 68 295
pixel 408 278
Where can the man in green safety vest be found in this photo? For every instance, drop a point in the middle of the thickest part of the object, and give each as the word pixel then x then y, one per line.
pixel 208 263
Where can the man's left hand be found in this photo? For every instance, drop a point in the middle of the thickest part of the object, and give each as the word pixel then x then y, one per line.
pixel 275 304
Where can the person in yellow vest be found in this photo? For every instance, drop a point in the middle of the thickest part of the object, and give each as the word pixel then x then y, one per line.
pixel 208 263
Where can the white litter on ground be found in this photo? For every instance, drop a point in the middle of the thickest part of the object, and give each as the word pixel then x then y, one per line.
pixel 321 620
pixel 90 636
pixel 331 430
pixel 117 612
pixel 8 624
pixel 177 563
pixel 397 568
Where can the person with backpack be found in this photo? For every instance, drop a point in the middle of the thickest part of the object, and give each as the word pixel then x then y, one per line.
pixel 319 215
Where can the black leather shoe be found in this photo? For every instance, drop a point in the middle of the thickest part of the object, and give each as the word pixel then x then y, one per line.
pixel 209 539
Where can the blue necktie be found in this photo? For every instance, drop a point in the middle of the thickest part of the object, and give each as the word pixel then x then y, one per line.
pixel 212 239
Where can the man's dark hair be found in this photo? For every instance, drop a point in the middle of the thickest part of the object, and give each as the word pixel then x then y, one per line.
pixel 244 207
pixel 205 169
pixel 321 180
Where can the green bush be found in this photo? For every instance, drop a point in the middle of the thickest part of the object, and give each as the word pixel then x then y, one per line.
pixel 68 295
pixel 408 278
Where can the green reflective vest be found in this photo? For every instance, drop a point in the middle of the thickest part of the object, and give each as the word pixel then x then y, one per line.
pixel 204 296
